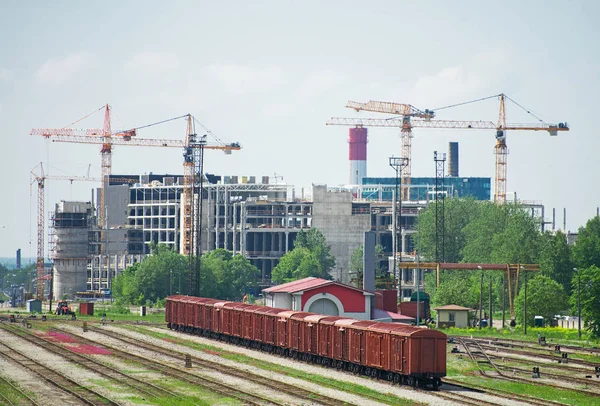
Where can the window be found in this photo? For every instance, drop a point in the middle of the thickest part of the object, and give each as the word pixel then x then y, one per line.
pixel 451 316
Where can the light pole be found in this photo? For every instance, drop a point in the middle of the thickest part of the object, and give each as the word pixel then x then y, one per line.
pixel 418 264
pixel 480 296
pixel 398 163
pixel 578 303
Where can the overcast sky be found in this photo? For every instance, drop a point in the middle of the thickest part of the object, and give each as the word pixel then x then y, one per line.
pixel 269 74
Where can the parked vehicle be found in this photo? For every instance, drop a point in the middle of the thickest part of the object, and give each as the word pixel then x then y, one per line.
pixel 63 308
pixel 392 351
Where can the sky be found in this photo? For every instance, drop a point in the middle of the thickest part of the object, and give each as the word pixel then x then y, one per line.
pixel 269 74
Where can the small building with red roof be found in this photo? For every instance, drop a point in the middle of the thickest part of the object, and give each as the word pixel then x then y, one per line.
pixel 321 296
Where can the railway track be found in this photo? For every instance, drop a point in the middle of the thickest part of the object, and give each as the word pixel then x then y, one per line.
pixel 298 393
pixel 23 398
pixel 84 395
pixel 533 345
pixel 144 387
pixel 188 376
pixel 498 374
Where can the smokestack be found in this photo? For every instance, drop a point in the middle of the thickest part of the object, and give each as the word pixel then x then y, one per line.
pixel 357 154
pixel 19 258
pixel 453 159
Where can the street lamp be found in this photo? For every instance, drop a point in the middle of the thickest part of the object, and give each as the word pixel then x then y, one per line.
pixel 398 163
pixel 418 263
pixel 578 303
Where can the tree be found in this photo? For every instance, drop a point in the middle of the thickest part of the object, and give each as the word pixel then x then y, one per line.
pixel 315 242
pixel 457 214
pixel 586 251
pixel 590 297
pixel 311 256
pixel 545 297
pixel 456 287
pixel 356 263
pixel 157 276
pixel 232 276
pixel 555 259
pixel 297 264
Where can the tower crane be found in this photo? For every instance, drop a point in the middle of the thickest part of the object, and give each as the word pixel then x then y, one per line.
pixel 500 149
pixel 407 111
pixel 193 152
pixel 38 175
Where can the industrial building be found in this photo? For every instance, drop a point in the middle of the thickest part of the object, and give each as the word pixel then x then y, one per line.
pixel 257 220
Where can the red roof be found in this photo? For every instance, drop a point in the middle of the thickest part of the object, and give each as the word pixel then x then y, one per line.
pixel 306 284
pixel 297 286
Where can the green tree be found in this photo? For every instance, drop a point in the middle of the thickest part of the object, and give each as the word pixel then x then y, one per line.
pixel 234 276
pixel 356 263
pixel 157 276
pixel 590 297
pixel 456 287
pixel 586 251
pixel 545 297
pixel 315 242
pixel 457 214
pixel 555 259
pixel 297 264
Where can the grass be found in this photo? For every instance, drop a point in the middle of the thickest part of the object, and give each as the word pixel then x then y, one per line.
pixel 461 368
pixel 325 381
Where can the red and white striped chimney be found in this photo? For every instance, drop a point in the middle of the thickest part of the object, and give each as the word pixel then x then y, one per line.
pixel 357 155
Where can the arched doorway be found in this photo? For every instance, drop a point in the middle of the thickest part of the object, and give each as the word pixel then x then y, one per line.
pixel 324 306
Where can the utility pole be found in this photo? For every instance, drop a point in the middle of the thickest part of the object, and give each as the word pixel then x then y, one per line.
pixel 480 297
pixel 491 318
pixel 503 299
pixel 525 308
pixel 578 303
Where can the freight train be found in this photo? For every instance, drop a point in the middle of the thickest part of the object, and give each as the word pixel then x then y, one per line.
pixel 392 351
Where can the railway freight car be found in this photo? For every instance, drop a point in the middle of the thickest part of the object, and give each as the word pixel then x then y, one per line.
pixel 396 352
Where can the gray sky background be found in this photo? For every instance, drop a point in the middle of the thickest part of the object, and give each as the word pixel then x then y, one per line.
pixel 270 73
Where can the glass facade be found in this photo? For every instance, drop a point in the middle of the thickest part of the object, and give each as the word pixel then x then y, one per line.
pixel 424 188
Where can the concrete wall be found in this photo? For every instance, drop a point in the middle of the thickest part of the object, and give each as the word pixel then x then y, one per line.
pixel 332 215
pixel 70 277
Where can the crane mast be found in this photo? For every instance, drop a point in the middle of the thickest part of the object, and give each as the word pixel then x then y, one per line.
pixel 406 111
pixel 406 124
pixel 192 167
pixel 40 178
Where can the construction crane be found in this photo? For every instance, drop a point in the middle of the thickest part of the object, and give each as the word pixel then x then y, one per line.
pixel 121 138
pixel 407 111
pixel 500 149
pixel 38 175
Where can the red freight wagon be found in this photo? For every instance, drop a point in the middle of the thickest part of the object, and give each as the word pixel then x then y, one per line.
pixel 325 335
pixel 350 340
pixel 311 333
pixel 204 320
pixel 171 313
pixel 283 330
pixel 232 313
pixel 426 353
pixel 248 321
pixel 266 321
pixel 295 327
pixel 217 317
pixel 186 309
pixel 377 345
